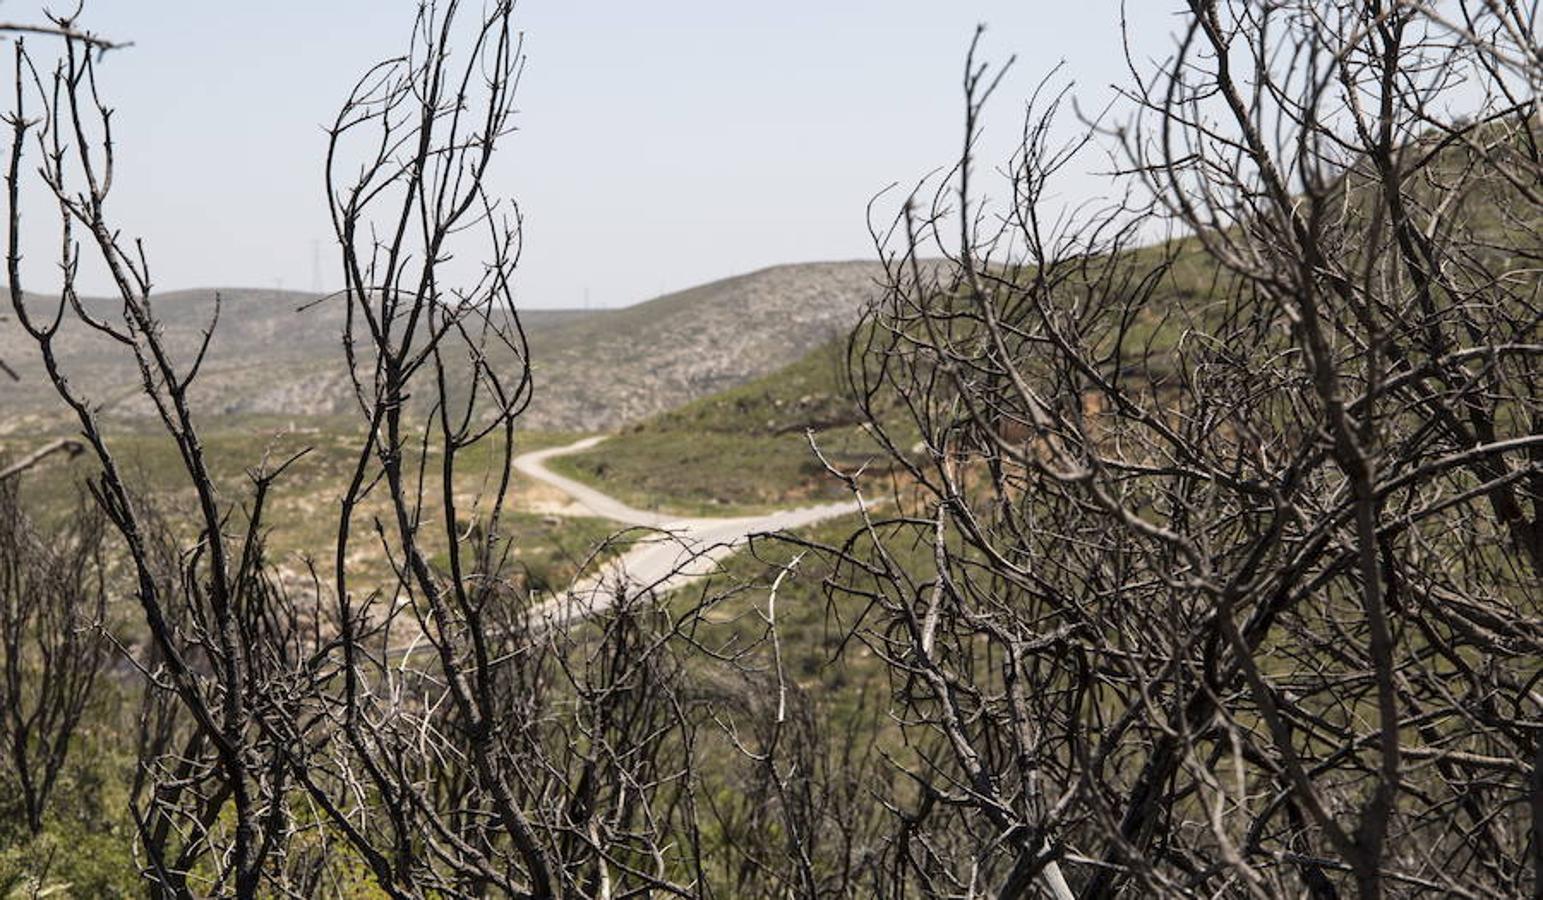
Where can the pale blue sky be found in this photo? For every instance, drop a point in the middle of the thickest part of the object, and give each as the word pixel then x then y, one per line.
pixel 662 144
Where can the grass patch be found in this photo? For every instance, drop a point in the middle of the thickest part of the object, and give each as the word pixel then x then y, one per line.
pixel 742 451
pixel 303 505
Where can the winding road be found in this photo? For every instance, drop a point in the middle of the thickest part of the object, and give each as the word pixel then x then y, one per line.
pixel 673 551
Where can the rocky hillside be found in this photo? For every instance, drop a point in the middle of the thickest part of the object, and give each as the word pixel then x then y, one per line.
pixel 277 352
pixel 273 352
pixel 621 366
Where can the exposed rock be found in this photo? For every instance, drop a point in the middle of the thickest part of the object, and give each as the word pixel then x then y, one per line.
pixel 279 353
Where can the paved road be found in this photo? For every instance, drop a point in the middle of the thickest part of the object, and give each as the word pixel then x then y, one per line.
pixel 673 550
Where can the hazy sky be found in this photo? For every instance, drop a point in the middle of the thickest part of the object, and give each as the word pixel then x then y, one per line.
pixel 661 144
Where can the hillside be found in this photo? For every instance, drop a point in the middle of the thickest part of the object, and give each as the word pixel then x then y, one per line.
pixel 741 450
pixel 618 367
pixel 273 353
pixel 276 353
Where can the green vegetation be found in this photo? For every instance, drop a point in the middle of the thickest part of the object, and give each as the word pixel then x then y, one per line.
pixel 812 627
pixel 741 451
pixel 85 847
pixel 302 506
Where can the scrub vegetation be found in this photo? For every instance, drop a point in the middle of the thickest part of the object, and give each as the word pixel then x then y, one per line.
pixel 1195 547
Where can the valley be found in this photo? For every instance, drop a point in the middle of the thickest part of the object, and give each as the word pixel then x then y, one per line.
pixel 665 552
pixel 708 394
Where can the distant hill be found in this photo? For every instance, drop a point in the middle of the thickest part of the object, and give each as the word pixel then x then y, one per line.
pixel 277 352
pixel 274 352
pixel 621 366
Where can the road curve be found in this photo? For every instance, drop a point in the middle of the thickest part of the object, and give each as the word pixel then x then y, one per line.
pixel 672 552
pixel 603 505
